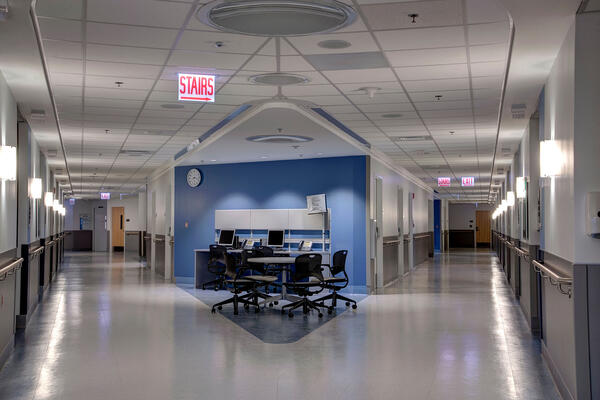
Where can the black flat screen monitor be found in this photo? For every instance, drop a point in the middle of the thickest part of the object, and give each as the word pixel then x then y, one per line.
pixel 275 238
pixel 226 237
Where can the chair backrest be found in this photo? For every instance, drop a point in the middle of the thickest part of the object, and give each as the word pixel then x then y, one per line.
pixel 216 254
pixel 264 251
pixel 307 265
pixel 338 263
pixel 230 266
pixel 251 253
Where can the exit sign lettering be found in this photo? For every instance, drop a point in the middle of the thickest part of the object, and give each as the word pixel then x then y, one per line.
pixel 194 87
pixel 444 181
pixel 468 181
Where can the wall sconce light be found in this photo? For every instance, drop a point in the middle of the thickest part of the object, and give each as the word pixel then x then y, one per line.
pixel 504 205
pixel 62 211
pixel 49 199
pixel 521 187
pixel 510 199
pixel 55 205
pixel 35 188
pixel 550 158
pixel 8 163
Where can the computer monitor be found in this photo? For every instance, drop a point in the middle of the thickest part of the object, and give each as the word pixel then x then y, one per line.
pixel 275 238
pixel 226 237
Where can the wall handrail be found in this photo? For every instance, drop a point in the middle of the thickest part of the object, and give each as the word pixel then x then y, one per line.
pixel 562 282
pixel 36 252
pixel 10 268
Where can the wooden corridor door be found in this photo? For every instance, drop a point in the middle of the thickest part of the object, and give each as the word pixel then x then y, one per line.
pixel 484 227
pixel 118 228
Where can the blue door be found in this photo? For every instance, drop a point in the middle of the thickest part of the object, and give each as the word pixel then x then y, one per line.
pixel 437 223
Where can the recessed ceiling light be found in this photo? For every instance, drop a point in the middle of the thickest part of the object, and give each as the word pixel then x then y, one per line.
pixel 393 115
pixel 278 79
pixel 334 44
pixel 276 17
pixel 279 139
pixel 172 106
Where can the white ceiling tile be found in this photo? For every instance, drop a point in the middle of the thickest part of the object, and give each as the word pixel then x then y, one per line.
pixel 433 72
pixel 65 65
pixel 130 35
pixel 497 32
pixel 360 42
pixel 489 52
pixel 425 38
pixel 295 63
pixel 122 70
pixel 309 90
pixel 60 29
pixel 62 49
pixel 492 68
pixel 138 12
pixel 60 79
pixel 109 82
pixel 437 85
pixel 396 15
pixel 405 58
pixel 126 54
pixel 481 11
pixel 360 75
pixel 205 41
pixel 206 61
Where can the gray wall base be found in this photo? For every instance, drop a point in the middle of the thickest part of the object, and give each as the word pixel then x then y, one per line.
pixel 558 379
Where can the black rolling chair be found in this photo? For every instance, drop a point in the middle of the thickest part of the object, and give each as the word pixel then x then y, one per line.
pixel 216 265
pixel 264 251
pixel 237 285
pixel 262 279
pixel 306 276
pixel 336 283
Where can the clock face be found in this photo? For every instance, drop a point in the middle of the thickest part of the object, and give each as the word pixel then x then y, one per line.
pixel 194 177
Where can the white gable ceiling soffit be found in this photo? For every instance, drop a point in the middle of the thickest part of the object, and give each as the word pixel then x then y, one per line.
pixel 418 84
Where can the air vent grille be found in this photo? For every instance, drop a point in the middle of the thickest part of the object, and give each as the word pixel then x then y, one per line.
pixel 135 153
pixel 411 138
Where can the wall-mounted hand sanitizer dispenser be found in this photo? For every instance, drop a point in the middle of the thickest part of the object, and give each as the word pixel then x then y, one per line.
pixel 592 214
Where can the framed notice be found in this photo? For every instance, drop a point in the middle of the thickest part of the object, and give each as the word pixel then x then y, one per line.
pixel 316 204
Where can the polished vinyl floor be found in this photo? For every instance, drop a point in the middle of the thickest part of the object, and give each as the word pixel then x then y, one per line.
pixel 108 329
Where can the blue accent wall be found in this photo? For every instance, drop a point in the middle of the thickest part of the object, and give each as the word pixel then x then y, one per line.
pixel 274 185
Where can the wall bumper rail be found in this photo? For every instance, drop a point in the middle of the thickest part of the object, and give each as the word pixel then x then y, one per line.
pixel 10 268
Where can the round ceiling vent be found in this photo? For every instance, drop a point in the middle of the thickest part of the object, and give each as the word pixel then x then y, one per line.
pixel 276 17
pixel 334 44
pixel 279 139
pixel 278 79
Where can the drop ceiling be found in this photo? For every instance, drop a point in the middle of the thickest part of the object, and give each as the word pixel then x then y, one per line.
pixel 442 75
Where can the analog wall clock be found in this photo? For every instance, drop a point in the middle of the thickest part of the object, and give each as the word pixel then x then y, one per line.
pixel 194 177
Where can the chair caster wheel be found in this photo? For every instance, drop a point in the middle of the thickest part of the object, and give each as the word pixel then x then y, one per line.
pixel 329 311
pixel 275 302
pixel 213 311
pixel 216 289
pixel 291 314
pixel 347 304
pixel 354 306
pixel 246 307
pixel 220 308
pixel 320 315
pixel 283 311
pixel 256 310
pixel 270 304
pixel 203 288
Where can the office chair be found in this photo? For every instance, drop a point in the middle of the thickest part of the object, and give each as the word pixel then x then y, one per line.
pixel 333 283
pixel 238 285
pixel 264 251
pixel 262 279
pixel 306 276
pixel 216 265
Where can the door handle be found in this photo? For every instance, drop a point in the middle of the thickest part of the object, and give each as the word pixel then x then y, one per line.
pixel 121 222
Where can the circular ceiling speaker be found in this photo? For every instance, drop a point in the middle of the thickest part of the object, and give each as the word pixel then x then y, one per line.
pixel 276 17
pixel 334 44
pixel 278 79
pixel 279 139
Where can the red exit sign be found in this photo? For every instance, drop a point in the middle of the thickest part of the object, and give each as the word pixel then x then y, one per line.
pixel 468 181
pixel 444 182
pixel 194 87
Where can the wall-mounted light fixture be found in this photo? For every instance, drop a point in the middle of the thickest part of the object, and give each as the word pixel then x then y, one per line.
pixel 49 199
pixel 504 205
pixel 55 205
pixel 8 163
pixel 550 158
pixel 35 188
pixel 510 199
pixel 521 187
